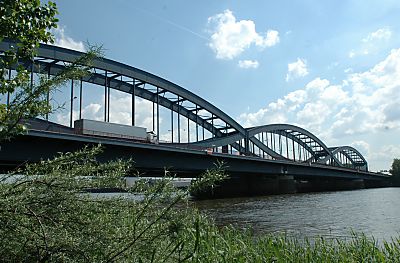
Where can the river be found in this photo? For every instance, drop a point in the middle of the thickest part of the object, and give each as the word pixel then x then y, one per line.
pixel 375 212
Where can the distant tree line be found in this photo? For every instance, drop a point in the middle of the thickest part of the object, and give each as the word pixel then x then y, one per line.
pixel 395 172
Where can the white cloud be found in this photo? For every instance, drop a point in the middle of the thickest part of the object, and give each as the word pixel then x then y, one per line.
pixel 317 84
pixel 380 34
pixel 62 40
pixel 361 108
pixel 248 64
pixel 382 157
pixel 297 69
pixel 363 147
pixel 372 42
pixel 120 112
pixel 271 39
pixel 229 38
pixel 313 113
pixel 93 111
pixel 334 95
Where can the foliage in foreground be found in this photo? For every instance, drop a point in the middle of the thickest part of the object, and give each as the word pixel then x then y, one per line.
pixel 46 216
pixel 26 23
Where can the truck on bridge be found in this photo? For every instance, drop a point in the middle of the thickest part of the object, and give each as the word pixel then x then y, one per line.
pixel 114 130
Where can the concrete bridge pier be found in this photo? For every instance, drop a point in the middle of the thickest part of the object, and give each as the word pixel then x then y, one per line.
pixel 251 185
pixel 319 185
pixel 287 184
pixel 378 183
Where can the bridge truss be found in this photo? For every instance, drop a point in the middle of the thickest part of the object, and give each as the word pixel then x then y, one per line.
pixel 194 122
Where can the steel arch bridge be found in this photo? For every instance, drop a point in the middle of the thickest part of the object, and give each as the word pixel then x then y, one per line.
pixel 194 122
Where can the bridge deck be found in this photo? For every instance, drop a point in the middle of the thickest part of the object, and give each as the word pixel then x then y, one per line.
pixel 155 158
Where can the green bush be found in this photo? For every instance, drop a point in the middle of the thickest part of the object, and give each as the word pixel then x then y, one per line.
pixel 46 214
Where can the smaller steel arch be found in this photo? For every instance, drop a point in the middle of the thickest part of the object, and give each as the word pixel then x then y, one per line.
pixel 356 158
pixel 309 144
pixel 301 136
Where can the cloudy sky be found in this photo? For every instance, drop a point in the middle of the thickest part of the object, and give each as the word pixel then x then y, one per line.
pixel 332 67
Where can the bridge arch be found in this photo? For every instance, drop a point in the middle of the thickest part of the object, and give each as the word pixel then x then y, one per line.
pixel 309 147
pixel 307 143
pixel 119 76
pixel 349 157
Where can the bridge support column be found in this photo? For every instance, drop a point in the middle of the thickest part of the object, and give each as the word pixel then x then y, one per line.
pixel 319 185
pixel 262 185
pixel 225 149
pixel 250 185
pixel 287 184
pixel 355 184
pixel 379 183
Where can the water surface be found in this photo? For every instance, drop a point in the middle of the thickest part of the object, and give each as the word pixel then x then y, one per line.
pixel 375 212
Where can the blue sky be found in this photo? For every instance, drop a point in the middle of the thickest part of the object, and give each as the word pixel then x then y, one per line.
pixel 332 67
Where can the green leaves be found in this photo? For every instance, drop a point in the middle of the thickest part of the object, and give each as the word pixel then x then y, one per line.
pixel 395 170
pixel 28 23
pixel 46 214
pixel 209 179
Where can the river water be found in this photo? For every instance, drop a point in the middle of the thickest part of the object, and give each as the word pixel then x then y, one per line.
pixel 375 212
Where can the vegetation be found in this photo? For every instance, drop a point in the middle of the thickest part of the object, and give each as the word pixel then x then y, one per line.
pixel 395 172
pixel 230 245
pixel 48 215
pixel 27 23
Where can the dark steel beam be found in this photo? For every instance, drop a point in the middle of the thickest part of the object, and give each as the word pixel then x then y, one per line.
pixel 72 104
pixel 80 99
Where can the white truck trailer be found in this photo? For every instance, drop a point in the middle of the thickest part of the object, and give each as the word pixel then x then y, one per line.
pixel 115 130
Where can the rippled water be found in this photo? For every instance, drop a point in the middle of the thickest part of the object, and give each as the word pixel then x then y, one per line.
pixel 375 212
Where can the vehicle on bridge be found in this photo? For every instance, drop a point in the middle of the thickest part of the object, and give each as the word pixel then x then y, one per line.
pixel 114 130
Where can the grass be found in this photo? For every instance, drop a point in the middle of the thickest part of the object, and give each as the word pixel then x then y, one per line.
pixel 231 245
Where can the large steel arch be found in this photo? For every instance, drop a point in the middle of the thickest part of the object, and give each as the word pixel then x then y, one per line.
pixel 225 132
pixel 52 59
